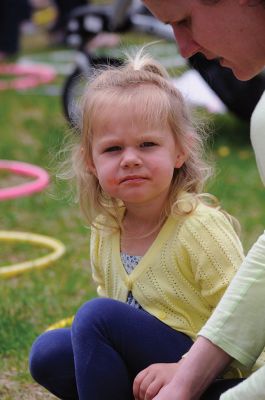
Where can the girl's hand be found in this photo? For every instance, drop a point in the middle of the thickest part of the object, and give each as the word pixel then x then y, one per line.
pixel 148 382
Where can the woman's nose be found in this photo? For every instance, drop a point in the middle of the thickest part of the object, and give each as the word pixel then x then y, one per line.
pixel 187 46
pixel 130 159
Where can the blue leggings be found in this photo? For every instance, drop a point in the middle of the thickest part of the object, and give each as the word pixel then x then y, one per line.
pixel 98 358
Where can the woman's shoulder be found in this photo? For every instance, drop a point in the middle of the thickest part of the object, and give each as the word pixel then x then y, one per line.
pixel 257 128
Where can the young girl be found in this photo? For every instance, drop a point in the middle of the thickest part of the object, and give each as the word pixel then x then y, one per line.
pixel 160 256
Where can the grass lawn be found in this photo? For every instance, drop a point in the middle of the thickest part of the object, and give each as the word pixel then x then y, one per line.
pixel 32 130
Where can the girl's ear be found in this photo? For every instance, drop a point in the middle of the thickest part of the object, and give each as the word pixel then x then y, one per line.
pixel 91 168
pixel 181 158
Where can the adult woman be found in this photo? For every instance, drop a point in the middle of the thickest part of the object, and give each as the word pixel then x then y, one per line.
pixel 233 32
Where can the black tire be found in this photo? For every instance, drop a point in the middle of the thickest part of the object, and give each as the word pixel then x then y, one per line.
pixel 70 95
pixel 74 86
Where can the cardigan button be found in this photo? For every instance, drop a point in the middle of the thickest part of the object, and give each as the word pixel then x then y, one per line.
pixel 129 284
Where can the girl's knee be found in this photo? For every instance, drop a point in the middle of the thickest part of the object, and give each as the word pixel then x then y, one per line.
pixel 39 356
pixel 89 313
pixel 47 352
pixel 96 313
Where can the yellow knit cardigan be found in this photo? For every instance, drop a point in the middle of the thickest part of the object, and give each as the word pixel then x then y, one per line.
pixel 182 276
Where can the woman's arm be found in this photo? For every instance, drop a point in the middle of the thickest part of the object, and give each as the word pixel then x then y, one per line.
pixel 185 380
pixel 203 363
pixel 252 388
pixel 238 324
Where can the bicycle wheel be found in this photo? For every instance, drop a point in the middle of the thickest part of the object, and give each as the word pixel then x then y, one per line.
pixel 74 86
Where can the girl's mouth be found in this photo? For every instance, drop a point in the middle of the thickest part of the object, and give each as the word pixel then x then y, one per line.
pixel 132 178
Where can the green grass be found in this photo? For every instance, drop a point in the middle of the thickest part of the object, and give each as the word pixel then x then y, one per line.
pixel 32 130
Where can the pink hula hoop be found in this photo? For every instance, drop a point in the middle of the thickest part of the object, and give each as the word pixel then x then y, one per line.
pixel 29 76
pixel 25 189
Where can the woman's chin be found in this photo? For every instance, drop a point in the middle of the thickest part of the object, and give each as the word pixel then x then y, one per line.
pixel 243 74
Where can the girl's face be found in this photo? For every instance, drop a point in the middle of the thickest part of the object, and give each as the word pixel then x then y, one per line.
pixel 231 31
pixel 133 163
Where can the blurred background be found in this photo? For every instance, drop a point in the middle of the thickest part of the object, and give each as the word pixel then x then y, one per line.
pixel 47 51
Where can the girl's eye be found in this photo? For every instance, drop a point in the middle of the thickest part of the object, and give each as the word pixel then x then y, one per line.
pixel 112 148
pixel 147 144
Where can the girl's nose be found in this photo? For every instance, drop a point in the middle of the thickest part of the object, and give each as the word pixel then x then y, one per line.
pixel 130 159
pixel 187 46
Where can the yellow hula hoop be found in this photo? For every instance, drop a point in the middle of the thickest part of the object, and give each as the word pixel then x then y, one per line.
pixel 42 262
pixel 61 324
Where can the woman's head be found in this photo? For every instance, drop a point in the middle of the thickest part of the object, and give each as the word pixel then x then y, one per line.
pixel 232 31
pixel 135 109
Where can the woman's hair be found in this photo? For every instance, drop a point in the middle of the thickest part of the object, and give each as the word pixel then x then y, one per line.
pixel 143 86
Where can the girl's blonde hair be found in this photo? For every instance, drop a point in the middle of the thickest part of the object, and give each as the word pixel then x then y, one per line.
pixel 144 86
